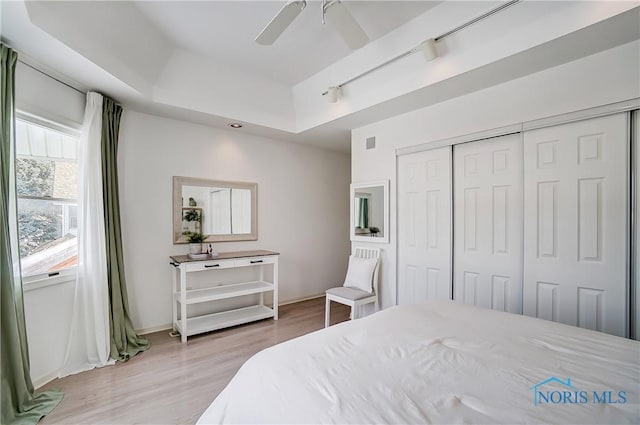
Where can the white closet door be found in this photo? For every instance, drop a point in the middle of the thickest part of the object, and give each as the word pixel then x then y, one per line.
pixel 575 250
pixel 424 226
pixel 487 206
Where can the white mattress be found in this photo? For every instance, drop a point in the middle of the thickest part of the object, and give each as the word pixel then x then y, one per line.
pixel 438 362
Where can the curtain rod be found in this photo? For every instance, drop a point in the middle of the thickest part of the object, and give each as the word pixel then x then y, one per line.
pixel 62 82
pixel 51 76
pixel 435 39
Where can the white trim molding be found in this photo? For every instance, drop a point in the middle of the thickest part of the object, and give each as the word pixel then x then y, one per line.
pixel 42 281
pixel 598 111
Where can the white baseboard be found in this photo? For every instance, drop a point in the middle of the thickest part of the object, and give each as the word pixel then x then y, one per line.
pixel 297 300
pixel 44 380
pixel 152 329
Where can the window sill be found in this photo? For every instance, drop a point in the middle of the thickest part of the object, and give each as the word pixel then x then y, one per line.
pixel 39 282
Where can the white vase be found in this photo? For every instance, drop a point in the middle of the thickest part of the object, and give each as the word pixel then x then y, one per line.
pixel 195 248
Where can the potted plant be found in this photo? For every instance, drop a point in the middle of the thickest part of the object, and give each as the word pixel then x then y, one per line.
pixel 195 242
pixel 191 215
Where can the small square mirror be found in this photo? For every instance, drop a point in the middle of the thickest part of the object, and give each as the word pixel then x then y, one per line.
pixel 370 211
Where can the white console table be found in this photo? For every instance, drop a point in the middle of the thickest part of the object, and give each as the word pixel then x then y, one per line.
pixel 182 297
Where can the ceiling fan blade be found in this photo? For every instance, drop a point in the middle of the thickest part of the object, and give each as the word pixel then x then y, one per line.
pixel 280 22
pixel 351 32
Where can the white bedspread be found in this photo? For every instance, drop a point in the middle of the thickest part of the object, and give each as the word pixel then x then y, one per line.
pixel 438 362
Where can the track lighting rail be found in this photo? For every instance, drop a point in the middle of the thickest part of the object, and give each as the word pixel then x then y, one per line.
pixel 428 45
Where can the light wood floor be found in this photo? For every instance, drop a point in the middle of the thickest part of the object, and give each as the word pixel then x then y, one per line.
pixel 173 383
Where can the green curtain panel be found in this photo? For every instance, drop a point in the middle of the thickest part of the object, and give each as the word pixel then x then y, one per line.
pixel 363 213
pixel 125 342
pixel 20 405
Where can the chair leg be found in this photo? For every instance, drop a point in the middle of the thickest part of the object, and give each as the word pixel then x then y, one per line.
pixel 327 312
pixel 354 309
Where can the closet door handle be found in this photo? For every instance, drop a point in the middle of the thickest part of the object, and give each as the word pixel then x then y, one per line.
pixel 208 266
pixel 255 261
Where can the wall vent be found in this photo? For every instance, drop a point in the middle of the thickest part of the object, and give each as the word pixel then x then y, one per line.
pixel 371 142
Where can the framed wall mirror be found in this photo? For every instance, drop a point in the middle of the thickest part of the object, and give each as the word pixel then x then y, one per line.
pixel 223 211
pixel 370 211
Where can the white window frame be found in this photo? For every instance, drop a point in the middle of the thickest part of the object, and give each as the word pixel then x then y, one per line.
pixel 44 280
pixel 58 277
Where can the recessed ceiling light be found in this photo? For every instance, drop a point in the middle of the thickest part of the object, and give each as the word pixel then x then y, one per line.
pixel 235 125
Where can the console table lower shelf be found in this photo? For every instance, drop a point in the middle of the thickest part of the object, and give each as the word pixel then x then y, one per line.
pixel 182 296
pixel 224 319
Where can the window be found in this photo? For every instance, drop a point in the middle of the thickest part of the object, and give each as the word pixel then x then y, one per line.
pixel 47 188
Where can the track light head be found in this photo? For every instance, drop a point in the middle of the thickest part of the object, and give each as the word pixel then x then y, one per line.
pixel 429 49
pixel 332 94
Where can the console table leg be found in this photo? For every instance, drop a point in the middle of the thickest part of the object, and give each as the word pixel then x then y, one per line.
pixel 275 290
pixel 183 303
pixel 174 302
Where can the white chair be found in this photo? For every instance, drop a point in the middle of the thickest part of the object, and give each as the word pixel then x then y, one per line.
pixel 355 297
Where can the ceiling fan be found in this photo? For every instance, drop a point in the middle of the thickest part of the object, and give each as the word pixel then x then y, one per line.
pixel 333 11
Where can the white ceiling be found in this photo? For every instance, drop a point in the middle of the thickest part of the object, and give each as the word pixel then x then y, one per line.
pixel 197 61
pixel 223 31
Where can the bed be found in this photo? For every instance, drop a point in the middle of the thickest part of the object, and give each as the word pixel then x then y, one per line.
pixel 438 362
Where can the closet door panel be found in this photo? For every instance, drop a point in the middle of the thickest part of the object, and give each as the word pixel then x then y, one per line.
pixel 636 268
pixel 576 191
pixel 424 226
pixel 488 223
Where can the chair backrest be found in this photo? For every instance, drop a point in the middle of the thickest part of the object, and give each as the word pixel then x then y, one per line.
pixel 368 253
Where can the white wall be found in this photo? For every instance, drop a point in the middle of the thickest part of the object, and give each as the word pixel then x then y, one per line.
pixel 606 77
pixel 376 209
pixel 303 210
pixel 47 313
pixel 303 206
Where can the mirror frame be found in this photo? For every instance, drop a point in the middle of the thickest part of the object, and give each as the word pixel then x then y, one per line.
pixel 352 224
pixel 179 181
